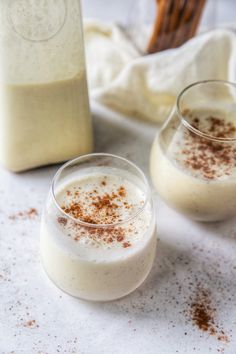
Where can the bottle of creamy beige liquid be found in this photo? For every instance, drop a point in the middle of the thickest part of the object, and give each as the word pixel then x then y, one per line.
pixel 44 109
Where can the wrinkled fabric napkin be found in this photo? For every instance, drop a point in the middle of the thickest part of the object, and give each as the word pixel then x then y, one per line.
pixel 146 86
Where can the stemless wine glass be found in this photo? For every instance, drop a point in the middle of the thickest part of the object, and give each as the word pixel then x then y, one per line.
pixel 98 228
pixel 193 158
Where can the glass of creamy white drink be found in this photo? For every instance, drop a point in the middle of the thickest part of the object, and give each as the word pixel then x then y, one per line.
pixel 193 158
pixel 98 236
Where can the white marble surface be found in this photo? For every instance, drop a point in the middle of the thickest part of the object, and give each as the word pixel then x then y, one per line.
pixel 152 320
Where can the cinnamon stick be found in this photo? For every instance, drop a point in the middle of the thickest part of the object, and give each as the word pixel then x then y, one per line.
pixel 176 21
pixel 161 6
pixel 164 34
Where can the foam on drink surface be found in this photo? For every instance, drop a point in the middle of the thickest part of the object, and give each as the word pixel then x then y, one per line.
pixel 105 199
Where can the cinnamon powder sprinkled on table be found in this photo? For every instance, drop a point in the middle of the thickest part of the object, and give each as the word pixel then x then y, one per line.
pixel 31 324
pixel 203 314
pixel 204 155
pixel 26 214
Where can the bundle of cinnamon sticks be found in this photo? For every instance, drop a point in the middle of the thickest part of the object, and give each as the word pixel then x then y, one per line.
pixel 176 22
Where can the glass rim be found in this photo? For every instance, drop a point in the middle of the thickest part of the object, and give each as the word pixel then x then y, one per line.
pixel 91 225
pixel 189 125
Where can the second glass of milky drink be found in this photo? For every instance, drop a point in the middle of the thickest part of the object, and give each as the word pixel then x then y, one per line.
pixel 98 228
pixel 193 158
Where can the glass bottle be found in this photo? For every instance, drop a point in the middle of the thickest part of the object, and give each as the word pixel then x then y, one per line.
pixel 44 108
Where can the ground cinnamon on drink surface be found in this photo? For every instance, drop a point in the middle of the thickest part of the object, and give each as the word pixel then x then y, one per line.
pixel 100 208
pixel 204 155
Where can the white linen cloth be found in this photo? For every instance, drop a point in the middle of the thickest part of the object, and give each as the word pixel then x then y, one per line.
pixel 146 86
